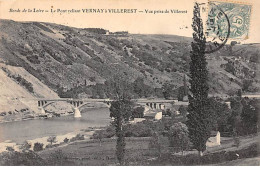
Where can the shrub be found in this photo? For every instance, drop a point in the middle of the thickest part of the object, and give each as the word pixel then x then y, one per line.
pixel 66 140
pixel 8 148
pixel 25 146
pixel 77 137
pixel 20 158
pixel 138 112
pixel 52 139
pixel 38 147
pixel 108 133
pixel 179 137
pixel 142 129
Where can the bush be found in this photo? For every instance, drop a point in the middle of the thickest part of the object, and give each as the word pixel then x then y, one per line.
pixel 8 148
pixel 77 137
pixel 66 140
pixel 138 112
pixel 142 129
pixel 52 139
pixel 20 158
pixel 38 147
pixel 25 146
pixel 179 137
pixel 108 133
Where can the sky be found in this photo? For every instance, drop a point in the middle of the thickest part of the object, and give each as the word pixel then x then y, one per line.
pixel 139 22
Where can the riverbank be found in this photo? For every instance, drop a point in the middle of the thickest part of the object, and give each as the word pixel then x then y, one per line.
pixel 25 114
pixel 60 140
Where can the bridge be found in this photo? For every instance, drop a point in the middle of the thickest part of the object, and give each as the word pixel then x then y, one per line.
pixel 155 104
pixel 79 103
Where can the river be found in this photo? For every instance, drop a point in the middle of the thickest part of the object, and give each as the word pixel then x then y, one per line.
pixel 20 131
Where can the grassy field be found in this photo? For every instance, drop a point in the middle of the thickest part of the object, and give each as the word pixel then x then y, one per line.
pixel 92 152
pixel 95 153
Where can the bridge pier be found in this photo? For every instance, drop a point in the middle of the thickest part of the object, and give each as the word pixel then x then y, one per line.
pixel 77 113
pixel 42 110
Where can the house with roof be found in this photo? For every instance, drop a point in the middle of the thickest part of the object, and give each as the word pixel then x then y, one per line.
pixel 214 139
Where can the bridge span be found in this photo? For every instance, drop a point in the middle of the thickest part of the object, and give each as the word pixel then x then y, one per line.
pixel 78 103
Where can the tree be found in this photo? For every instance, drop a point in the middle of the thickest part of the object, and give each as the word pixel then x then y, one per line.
pixel 138 112
pixel 169 90
pixel 121 110
pixel 66 140
pixel 220 113
pixel 99 134
pixel 25 146
pixel 236 111
pixel 250 117
pixel 178 136
pixel 51 139
pixel 38 146
pixel 198 118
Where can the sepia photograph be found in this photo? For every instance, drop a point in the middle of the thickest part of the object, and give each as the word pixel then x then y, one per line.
pixel 129 83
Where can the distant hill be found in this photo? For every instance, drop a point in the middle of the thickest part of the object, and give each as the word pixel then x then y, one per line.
pixel 65 58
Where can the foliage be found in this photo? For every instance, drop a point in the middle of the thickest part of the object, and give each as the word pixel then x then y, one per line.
pixel 141 129
pixel 19 79
pixel 167 112
pixel 25 146
pixel 120 147
pixel 107 133
pixel 38 147
pixel 138 112
pixel 183 110
pixel 31 158
pixel 169 90
pixel 66 140
pixel 11 149
pixel 52 139
pixel 77 137
pixel 141 89
pixel 198 118
pixel 178 136
pixel 183 90
pixel 121 110
pixel 15 158
pixel 235 118
pixel 219 114
pixel 255 57
pixel 250 116
pixel 247 84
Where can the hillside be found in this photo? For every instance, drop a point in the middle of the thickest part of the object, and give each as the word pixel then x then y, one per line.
pixel 19 93
pixel 67 58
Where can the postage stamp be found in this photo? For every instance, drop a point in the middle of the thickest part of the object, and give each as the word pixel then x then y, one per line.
pixel 222 13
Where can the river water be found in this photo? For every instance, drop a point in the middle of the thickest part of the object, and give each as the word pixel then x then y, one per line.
pixel 20 131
